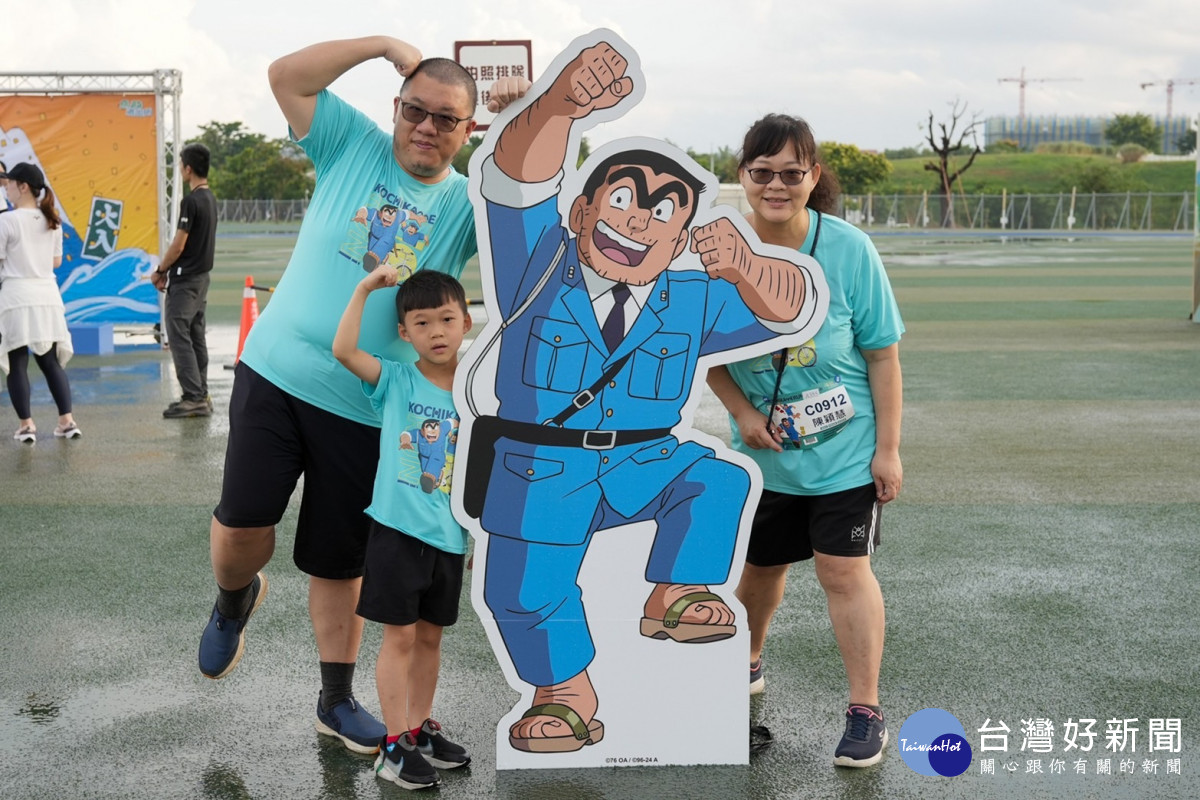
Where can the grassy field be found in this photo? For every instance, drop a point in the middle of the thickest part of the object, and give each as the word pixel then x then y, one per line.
pixel 1040 565
pixel 1045 173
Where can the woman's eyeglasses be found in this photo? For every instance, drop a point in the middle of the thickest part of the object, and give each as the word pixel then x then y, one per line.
pixel 762 175
pixel 416 115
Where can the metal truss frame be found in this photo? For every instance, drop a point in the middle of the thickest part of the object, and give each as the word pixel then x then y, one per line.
pixel 165 84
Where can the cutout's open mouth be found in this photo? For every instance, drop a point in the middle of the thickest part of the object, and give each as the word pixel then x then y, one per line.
pixel 616 247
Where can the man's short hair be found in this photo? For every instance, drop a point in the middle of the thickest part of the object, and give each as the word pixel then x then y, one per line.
pixel 447 71
pixel 196 156
pixel 659 163
pixel 427 288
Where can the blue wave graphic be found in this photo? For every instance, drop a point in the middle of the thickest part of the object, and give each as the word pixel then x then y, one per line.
pixel 113 289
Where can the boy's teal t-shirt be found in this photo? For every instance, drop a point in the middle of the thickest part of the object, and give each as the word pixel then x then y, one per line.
pixel 416 457
pixel 365 210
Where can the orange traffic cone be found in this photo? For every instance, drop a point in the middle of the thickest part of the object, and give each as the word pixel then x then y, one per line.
pixel 249 314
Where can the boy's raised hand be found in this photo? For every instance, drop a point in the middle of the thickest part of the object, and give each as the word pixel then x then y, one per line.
pixel 381 277
pixel 345 341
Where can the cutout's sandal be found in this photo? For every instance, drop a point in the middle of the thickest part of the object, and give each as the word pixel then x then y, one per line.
pixel 669 627
pixel 581 734
pixel 26 434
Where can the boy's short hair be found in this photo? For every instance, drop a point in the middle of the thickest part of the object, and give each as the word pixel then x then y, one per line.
pixel 427 288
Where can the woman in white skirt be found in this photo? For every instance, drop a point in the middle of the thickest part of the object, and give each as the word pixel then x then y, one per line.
pixel 32 318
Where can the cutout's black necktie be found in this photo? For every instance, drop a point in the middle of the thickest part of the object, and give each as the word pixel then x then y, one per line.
pixel 614 327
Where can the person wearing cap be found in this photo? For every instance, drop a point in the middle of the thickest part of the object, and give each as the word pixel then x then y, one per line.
pixel 184 274
pixel 32 317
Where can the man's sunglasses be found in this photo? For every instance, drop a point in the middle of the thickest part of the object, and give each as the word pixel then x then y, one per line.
pixel 416 115
pixel 790 177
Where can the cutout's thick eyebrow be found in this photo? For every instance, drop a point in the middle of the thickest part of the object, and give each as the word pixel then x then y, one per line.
pixel 678 188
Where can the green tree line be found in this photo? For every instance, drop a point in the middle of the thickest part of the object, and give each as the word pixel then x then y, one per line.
pixel 248 165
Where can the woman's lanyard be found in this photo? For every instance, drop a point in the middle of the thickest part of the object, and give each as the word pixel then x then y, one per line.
pixel 783 354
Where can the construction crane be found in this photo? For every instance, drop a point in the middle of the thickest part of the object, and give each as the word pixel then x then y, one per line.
pixel 1022 81
pixel 1171 89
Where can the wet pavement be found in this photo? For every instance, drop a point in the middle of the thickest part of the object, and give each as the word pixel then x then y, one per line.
pixel 1041 564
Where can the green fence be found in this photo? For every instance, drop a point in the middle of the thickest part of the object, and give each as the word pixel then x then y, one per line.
pixel 1141 211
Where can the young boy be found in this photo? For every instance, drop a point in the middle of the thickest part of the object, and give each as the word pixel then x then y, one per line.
pixel 414 559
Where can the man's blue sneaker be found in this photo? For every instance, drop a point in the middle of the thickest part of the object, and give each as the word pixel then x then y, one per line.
pixel 223 640
pixel 351 723
pixel 865 737
pixel 438 750
pixel 401 763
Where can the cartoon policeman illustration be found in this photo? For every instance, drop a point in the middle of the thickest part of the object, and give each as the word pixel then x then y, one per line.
pixel 429 441
pixel 603 330
pixel 381 233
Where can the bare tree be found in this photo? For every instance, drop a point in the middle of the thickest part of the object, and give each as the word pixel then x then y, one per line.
pixel 946 143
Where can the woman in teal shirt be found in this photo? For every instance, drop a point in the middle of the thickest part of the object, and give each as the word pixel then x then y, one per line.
pixel 830 452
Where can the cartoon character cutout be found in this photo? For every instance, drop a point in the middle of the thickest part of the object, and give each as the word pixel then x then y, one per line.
pixel 609 292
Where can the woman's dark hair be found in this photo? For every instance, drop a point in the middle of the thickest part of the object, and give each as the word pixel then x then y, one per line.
pixel 46 205
pixel 774 132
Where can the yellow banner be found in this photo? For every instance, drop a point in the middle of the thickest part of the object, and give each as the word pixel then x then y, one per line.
pixel 99 153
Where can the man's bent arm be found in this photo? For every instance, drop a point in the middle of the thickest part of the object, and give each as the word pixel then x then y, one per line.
pixel 298 78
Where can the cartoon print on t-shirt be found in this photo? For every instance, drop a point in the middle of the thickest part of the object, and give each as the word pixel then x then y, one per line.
pixel 802 356
pixel 381 233
pixel 424 462
pixel 386 230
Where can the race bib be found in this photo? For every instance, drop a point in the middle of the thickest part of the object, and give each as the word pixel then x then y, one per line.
pixel 817 416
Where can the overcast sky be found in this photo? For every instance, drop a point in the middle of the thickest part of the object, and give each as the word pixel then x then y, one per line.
pixel 865 72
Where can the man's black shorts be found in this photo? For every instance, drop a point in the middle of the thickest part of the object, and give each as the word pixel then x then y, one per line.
pixel 274 438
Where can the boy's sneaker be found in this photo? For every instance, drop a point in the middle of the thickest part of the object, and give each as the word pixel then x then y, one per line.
pixel 182 409
pixel 438 750
pixel 401 762
pixel 351 723
pixel 223 640
pixel 865 737
pixel 758 681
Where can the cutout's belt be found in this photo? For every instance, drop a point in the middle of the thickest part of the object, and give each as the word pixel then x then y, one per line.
pixel 555 436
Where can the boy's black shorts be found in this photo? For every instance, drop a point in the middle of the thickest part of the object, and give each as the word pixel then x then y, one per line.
pixel 408 580
pixel 787 528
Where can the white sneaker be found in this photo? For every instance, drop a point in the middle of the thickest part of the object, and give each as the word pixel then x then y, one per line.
pixel 72 431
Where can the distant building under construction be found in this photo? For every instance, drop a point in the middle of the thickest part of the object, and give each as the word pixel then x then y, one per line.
pixel 1029 132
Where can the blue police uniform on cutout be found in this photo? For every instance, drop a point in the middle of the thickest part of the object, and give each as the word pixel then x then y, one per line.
pixel 544 501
